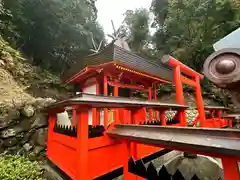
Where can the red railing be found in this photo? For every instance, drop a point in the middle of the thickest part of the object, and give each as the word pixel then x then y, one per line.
pixel 77 151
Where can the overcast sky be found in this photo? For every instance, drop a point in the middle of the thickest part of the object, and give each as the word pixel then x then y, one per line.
pixel 114 9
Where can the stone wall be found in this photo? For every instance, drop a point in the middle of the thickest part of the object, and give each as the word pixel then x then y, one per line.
pixel 23 128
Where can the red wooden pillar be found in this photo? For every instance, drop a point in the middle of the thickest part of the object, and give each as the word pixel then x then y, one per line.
pixel 199 101
pixel 230 122
pixel 230 168
pixel 155 98
pixel 143 116
pixel 179 94
pixel 136 117
pixel 105 92
pixel 51 124
pixel 94 111
pixel 94 117
pixel 116 113
pixel 218 119
pixel 163 118
pixel 98 110
pixel 150 98
pixel 115 93
pixel 74 117
pixel 127 154
pixel 82 145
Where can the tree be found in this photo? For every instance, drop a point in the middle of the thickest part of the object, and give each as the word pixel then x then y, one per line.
pixel 137 28
pixel 188 28
pixel 53 32
pixel 6 26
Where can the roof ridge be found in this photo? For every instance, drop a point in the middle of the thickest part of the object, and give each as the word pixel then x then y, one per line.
pixel 148 60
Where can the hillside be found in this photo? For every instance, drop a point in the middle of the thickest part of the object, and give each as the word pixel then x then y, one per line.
pixel 20 81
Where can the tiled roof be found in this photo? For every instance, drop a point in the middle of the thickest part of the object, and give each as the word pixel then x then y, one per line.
pixel 113 52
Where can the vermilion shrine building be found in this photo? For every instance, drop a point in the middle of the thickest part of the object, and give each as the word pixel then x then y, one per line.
pixel 96 141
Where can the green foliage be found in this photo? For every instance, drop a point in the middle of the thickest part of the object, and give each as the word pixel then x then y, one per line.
pixel 137 25
pixel 53 32
pixel 6 26
pixel 19 168
pixel 187 29
pixel 7 51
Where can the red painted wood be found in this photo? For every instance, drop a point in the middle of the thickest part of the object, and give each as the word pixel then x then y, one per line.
pixel 230 168
pixel 95 149
pixel 74 117
pixel 82 145
pixel 127 154
pixel 155 98
pixel 57 148
pixel 185 69
pixel 214 123
pixel 98 93
pixel 83 158
pixel 105 92
pixel 188 81
pixel 163 118
pixel 179 94
pixel 200 103
pixel 150 110
pixel 128 86
pixel 230 123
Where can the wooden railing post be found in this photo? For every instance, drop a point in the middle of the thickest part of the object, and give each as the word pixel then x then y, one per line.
pixel 82 145
pixel 155 98
pixel 230 123
pixel 127 154
pixel 105 91
pixel 74 117
pixel 230 168
pixel 51 124
pixel 98 117
pixel 136 115
pixel 163 118
pixel 117 110
pixel 179 94
pixel 150 98
pixel 200 103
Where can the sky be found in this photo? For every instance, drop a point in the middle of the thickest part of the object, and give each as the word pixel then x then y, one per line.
pixel 114 9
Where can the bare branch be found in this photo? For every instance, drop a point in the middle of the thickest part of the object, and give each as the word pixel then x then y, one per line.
pixel 99 46
pixel 93 50
pixel 114 30
pixel 93 42
pixel 111 36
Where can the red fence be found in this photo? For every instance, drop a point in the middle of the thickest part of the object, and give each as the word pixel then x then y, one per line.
pixel 87 152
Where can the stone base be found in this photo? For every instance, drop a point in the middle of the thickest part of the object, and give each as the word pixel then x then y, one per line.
pixel 51 172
